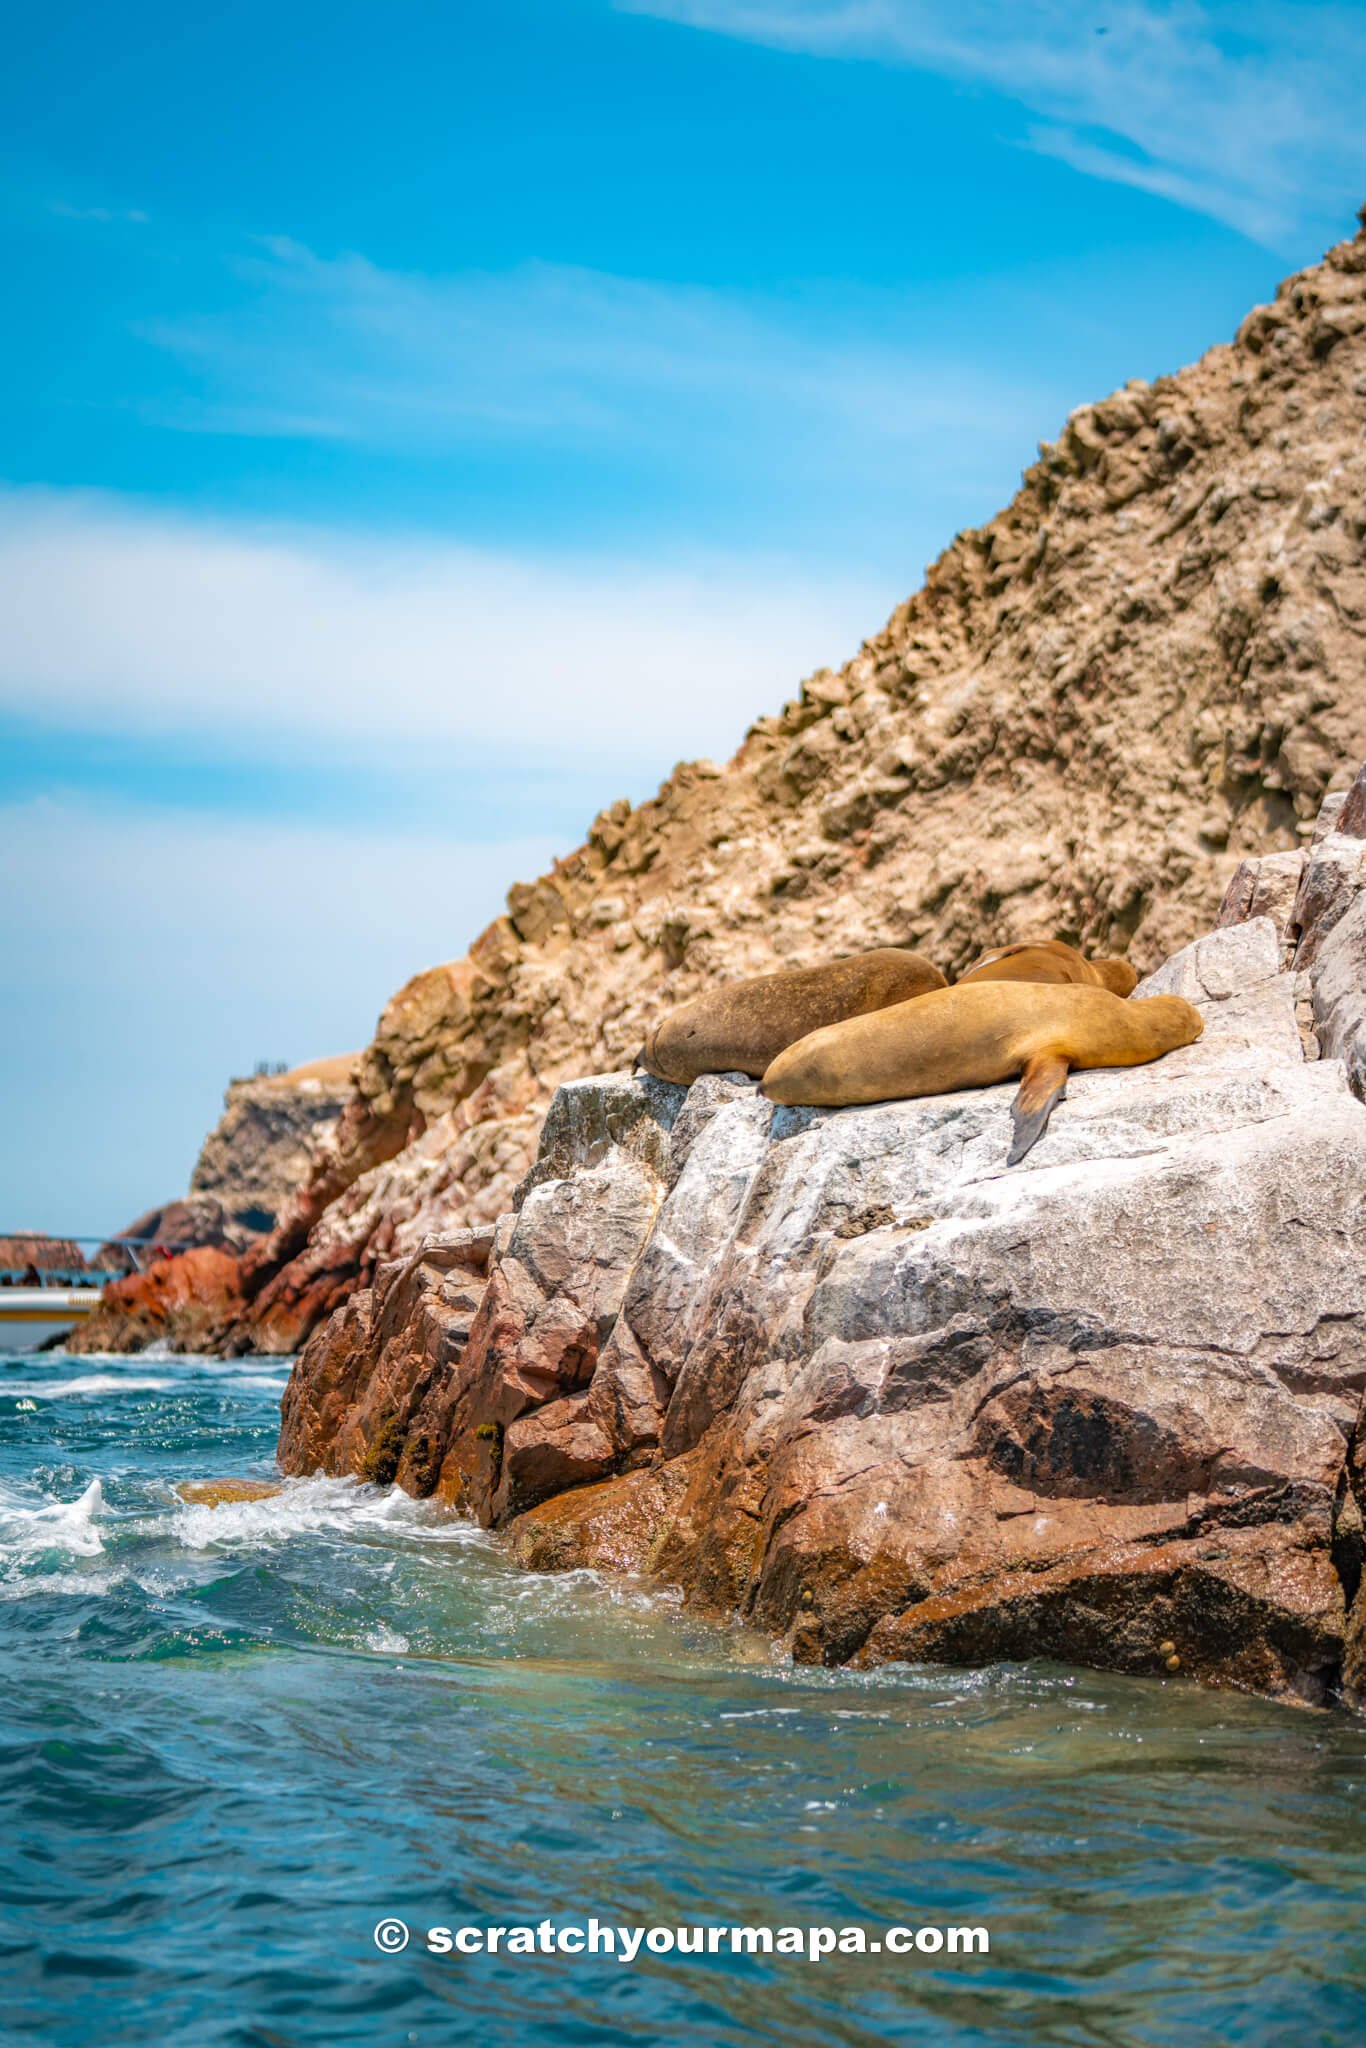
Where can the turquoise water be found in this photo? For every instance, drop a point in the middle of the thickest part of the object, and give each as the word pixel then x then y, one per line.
pixel 234 1739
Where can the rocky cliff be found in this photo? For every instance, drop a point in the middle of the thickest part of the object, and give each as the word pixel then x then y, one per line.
pixel 262 1150
pixel 1152 663
pixel 842 1374
pixel 266 1143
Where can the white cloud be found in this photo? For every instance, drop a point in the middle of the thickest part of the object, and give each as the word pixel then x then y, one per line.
pixel 1251 113
pixel 119 617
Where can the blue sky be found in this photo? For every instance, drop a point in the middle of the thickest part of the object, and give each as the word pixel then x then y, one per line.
pixel 425 423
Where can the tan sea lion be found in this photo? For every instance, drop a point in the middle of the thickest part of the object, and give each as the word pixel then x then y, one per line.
pixel 970 1037
pixel 218 1493
pixel 1052 960
pixel 741 1027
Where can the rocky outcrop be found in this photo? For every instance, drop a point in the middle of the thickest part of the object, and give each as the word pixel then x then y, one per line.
pixel 267 1142
pixel 182 1225
pixel 844 1375
pixel 1316 899
pixel 182 1302
pixel 26 1256
pixel 272 1133
pixel 1150 665
pixel 483 1143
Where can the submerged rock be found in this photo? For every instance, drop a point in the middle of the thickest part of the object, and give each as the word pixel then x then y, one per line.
pixel 845 1375
pixel 222 1493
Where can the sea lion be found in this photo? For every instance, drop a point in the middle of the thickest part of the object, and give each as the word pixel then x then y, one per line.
pixel 219 1493
pixel 1052 960
pixel 971 1036
pixel 742 1027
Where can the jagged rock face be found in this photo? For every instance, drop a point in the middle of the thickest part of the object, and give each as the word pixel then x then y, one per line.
pixel 842 1373
pixel 266 1143
pixel 177 1268
pixel 1316 900
pixel 373 1398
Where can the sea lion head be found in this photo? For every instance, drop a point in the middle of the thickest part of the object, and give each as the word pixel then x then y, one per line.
pixel 1116 975
pixel 1175 1021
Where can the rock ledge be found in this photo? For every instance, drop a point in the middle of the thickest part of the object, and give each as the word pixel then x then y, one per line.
pixel 844 1375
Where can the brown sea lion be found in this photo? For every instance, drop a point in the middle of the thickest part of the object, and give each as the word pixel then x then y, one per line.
pixel 970 1037
pixel 218 1493
pixel 741 1027
pixel 1052 960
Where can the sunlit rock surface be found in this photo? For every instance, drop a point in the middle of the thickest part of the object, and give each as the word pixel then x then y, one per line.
pixel 843 1374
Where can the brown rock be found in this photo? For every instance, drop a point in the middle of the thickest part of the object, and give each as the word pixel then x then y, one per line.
pixel 269 1137
pixel 372 1391
pixel 186 1302
pixel 1266 886
pixel 839 1374
pixel 1351 819
pixel 218 1493
pixel 30 1255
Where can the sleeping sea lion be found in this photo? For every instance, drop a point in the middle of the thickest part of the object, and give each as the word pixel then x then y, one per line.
pixel 969 1037
pixel 742 1027
pixel 1052 960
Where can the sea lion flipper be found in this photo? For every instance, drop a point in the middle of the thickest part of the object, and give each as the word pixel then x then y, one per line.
pixel 1043 1084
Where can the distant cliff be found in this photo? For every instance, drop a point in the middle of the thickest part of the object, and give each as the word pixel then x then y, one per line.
pixel 1151 664
pixel 266 1143
pixel 264 1147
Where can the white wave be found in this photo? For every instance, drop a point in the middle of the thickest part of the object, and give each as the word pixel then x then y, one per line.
pixel 383 1638
pixel 206 1363
pixel 59 1525
pixel 187 1373
pixel 78 1585
pixel 97 1383
pixel 314 1506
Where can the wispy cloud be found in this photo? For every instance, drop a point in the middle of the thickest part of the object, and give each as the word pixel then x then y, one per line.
pixel 339 348
pixel 281 935
pixel 105 216
pixel 1250 113
pixel 119 617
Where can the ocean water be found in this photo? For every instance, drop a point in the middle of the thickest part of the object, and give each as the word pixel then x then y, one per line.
pixel 233 1740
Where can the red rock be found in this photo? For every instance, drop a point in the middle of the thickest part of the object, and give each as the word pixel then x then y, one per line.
pixel 372 1391
pixel 187 1302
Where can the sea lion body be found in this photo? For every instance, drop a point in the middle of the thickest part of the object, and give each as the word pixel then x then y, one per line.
pixel 976 1034
pixel 1051 960
pixel 742 1027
